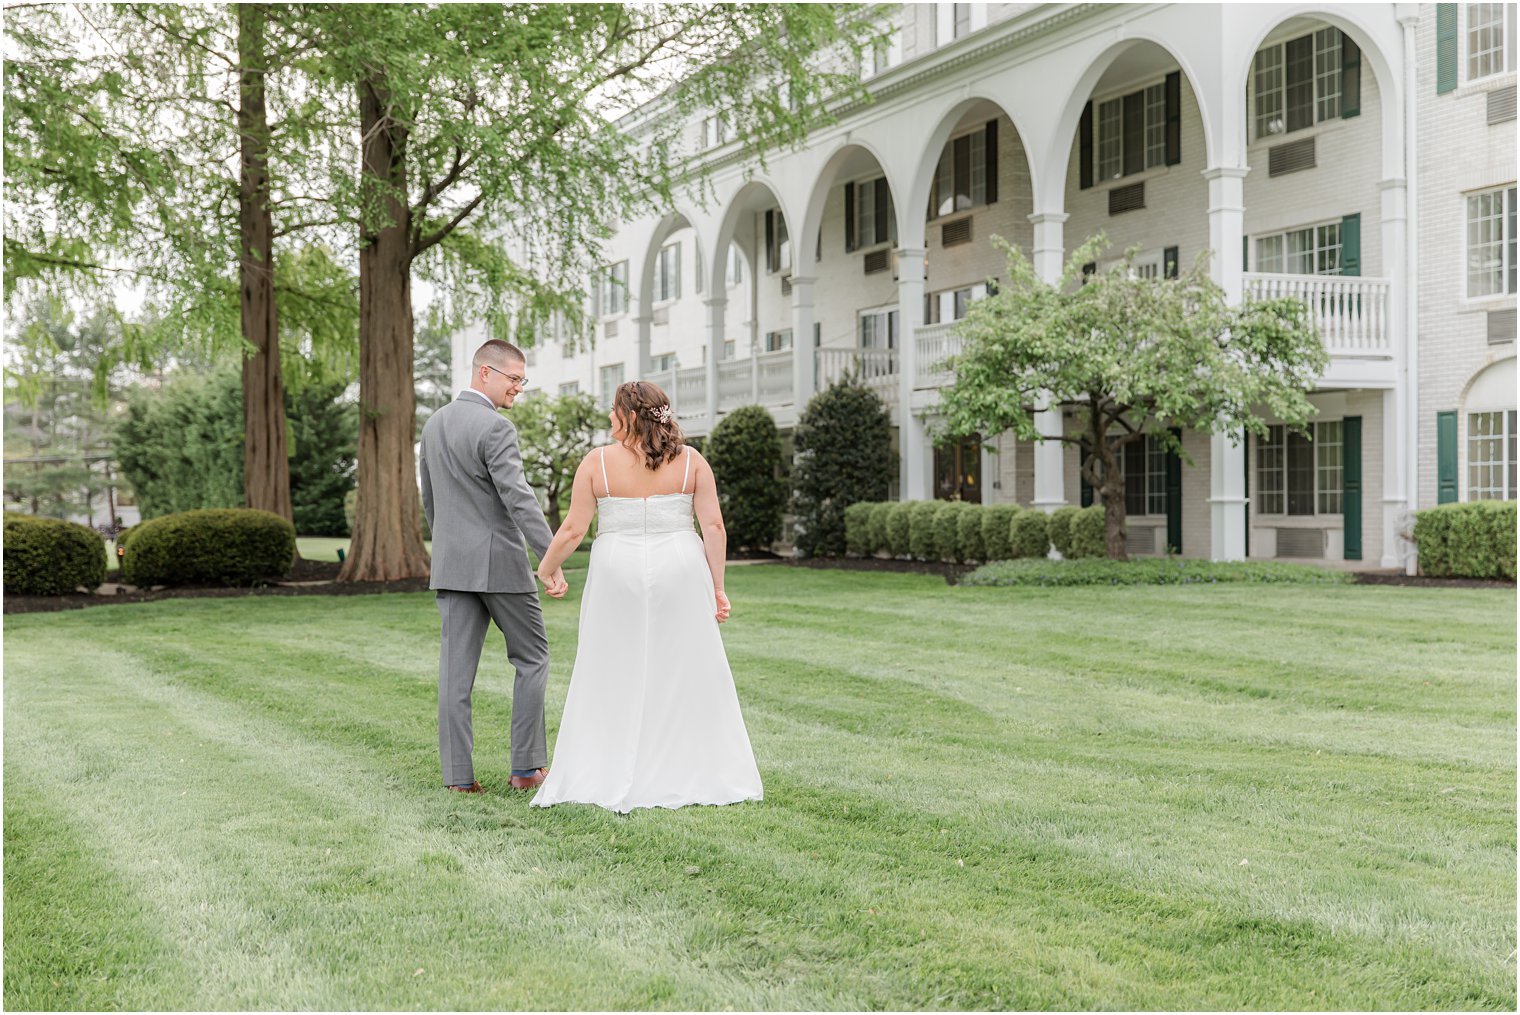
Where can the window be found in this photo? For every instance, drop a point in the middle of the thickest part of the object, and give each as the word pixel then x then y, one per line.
pixel 1313 250
pixel 716 130
pixel 951 304
pixel 1298 83
pixel 1133 131
pixel 664 363
pixel 870 219
pixel 962 22
pixel 1490 40
pixel 1297 476
pixel 613 291
pixel 878 328
pixel 1145 477
pixel 570 388
pixel 778 246
pixel 611 377
pixel 728 349
pixel 735 274
pixel 775 341
pixel 1491 242
pixel 967 173
pixel 667 273
pixel 1491 455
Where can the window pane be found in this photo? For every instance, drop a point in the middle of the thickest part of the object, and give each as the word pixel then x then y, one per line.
pixel 1300 454
pixel 1110 139
pixel 1327 73
pixel 1485 40
pixel 1269 471
pixel 1155 126
pixel 1269 253
pixel 1509 240
pixel 944 185
pixel 1329 452
pixel 962 148
pixel 978 160
pixel 1299 92
pixel 1155 477
pixel 1491 455
pixel 1327 249
pixel 865 213
pixel 1300 252
pixel 1134 479
pixel 1269 92
pixel 1485 243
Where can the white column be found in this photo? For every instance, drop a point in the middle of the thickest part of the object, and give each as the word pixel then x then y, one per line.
pixel 914 460
pixel 802 340
pixel 1227 452
pixel 1395 406
pixel 1409 380
pixel 1050 454
pixel 717 307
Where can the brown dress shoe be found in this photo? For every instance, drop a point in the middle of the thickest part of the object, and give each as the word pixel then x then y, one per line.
pixel 529 781
pixel 473 787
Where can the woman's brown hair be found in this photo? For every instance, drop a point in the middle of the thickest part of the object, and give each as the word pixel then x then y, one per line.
pixel 649 423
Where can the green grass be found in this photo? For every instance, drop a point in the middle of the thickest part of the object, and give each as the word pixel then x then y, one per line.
pixel 1151 571
pixel 1174 797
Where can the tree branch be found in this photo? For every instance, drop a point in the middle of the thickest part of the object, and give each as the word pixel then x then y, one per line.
pixel 448 227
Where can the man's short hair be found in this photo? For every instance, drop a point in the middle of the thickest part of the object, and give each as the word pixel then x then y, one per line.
pixel 497 353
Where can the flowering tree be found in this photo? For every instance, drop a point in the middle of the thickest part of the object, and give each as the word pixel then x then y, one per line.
pixel 1134 357
pixel 555 434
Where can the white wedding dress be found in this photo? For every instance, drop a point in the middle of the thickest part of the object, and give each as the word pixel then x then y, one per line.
pixel 651 717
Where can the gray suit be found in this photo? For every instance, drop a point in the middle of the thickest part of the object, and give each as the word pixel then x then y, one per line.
pixel 481 511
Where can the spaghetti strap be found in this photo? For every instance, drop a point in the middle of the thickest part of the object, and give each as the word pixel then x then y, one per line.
pixel 687 472
pixel 601 456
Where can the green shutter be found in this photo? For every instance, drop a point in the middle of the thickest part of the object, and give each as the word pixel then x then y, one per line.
pixel 850 241
pixel 1085 147
pixel 1245 253
pixel 1351 498
pixel 1446 48
pixel 1446 457
pixel 990 154
pixel 1351 244
pixel 1173 118
pixel 1351 78
pixel 1174 499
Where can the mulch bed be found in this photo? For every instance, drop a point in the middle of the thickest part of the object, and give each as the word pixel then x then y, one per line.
pixel 325 572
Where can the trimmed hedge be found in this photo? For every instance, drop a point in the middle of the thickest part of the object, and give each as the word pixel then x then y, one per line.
pixel 49 557
pixel 968 539
pixel 1059 525
pixel 1029 535
pixel 876 527
pixel 227 546
pixel 947 530
pixel 899 534
pixel 997 525
pixel 921 524
pixel 1150 571
pixel 1089 533
pixel 1472 540
pixel 857 528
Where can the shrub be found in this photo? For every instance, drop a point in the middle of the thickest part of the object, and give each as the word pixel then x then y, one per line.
pixel 947 531
pixel 1029 534
pixel 230 546
pixel 857 528
pixel 921 524
pixel 1473 540
pixel 1151 571
pixel 899 535
pixel 744 450
pixel 1059 525
pixel 324 434
pixel 49 557
pixel 1089 532
pixel 997 525
pixel 968 537
pixel 876 527
pixel 844 455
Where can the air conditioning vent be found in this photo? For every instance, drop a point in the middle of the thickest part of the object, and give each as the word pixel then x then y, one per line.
pixel 1501 326
pixel 1142 539
pixel 610 329
pixel 1308 543
pixel 661 315
pixel 786 285
pixel 955 233
pixel 877 260
pixel 1122 199
pixel 1501 105
pixel 1290 157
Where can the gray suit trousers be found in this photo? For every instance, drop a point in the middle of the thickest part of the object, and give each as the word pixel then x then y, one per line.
pixel 466 616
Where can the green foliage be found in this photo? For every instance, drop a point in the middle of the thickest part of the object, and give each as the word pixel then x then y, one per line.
pixel 947 527
pixel 857 528
pixel 1151 571
pixel 323 430
pixel 1088 532
pixel 899 528
pixel 232 546
pixel 554 434
pixel 876 527
pixel 1128 354
pixel 843 455
pixel 49 557
pixel 744 450
pixel 1029 535
pixel 997 525
pixel 1060 529
pixel 1472 540
pixel 922 522
pixel 969 544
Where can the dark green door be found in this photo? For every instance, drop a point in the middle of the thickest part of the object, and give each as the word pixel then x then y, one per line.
pixel 1351 502
pixel 1174 500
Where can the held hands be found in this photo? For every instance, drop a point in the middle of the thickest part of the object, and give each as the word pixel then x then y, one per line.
pixel 554 583
pixel 723 607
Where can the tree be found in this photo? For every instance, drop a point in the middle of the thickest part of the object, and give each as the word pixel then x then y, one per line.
pixel 843 455
pixel 1133 357
pixel 470 115
pixel 554 434
pixel 744 450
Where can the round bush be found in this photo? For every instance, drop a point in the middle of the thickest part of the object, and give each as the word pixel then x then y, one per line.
pixel 1029 534
pixel 997 521
pixel 744 450
pixel 1089 533
pixel 48 557
pixel 1060 529
pixel 899 535
pixel 876 527
pixel 843 443
pixel 921 524
pixel 1471 540
pixel 968 538
pixel 857 535
pixel 226 546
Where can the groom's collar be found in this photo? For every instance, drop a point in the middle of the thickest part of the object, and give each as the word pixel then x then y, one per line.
pixel 475 394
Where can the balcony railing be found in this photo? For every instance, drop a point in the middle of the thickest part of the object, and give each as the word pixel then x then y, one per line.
pixel 758 380
pixel 936 343
pixel 876 368
pixel 1350 312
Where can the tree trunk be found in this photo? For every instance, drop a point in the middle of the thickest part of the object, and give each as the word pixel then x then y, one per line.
pixel 387 538
pixel 266 462
pixel 1116 532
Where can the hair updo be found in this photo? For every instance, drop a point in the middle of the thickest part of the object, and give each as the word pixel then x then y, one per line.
pixel 649 423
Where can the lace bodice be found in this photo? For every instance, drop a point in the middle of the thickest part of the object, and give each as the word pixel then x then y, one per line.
pixel 666 512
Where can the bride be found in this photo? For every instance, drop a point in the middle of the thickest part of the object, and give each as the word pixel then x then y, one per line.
pixel 651 717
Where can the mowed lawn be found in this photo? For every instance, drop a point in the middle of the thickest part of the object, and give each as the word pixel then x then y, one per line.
pixel 1224 797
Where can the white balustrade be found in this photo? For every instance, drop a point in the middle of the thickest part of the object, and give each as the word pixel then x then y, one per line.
pixel 688 390
pixel 876 369
pixel 1349 312
pixel 776 380
pixel 936 343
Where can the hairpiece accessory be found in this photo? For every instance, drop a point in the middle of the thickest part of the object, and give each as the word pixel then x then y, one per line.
pixel 660 414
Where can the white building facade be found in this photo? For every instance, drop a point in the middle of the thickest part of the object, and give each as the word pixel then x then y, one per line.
pixel 1359 157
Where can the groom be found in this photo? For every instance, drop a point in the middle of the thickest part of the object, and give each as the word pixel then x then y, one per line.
pixel 480 510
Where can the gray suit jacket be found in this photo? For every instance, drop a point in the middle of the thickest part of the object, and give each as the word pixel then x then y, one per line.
pixel 477 501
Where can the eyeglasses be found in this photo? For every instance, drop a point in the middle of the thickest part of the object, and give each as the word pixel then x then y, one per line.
pixel 519 382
